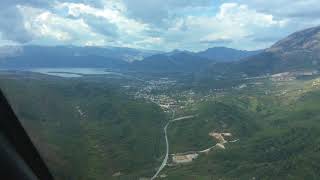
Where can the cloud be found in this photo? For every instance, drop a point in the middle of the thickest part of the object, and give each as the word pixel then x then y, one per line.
pixel 286 8
pixel 82 24
pixel 12 27
pixel 158 12
pixel 13 3
pixel 111 15
pixel 102 26
pixel 11 21
pixel 49 28
pixel 155 24
pixel 218 41
pixel 230 25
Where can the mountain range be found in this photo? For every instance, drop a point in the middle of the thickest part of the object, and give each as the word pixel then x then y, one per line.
pixel 115 58
pixel 223 54
pixel 69 56
pixel 299 51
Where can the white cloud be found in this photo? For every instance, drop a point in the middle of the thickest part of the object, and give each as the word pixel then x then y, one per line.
pixel 157 24
pixel 112 21
pixel 148 43
pixel 231 25
pixel 98 42
pixel 158 12
pixel 111 12
pixel 285 8
pixel 50 28
pixel 48 24
pixel 241 15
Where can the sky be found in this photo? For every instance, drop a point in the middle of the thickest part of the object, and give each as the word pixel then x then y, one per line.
pixel 155 24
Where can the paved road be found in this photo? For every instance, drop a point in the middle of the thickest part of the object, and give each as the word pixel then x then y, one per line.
pixel 165 160
pixel 182 118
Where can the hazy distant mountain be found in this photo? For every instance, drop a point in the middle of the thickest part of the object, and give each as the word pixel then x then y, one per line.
pixel 121 53
pixel 220 54
pixel 115 57
pixel 177 61
pixel 36 56
pixel 186 61
pixel 223 54
pixel 177 51
pixel 69 56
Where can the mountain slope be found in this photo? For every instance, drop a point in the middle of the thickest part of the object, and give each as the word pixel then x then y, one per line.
pixel 297 52
pixel 223 54
pixel 69 56
pixel 173 62
pixel 186 61
pixel 305 40
pixel 115 58
pixel 86 129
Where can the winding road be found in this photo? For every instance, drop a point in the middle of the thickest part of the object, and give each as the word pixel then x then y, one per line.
pixel 165 160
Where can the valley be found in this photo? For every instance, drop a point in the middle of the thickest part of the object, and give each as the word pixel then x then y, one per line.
pixel 195 127
pixel 121 113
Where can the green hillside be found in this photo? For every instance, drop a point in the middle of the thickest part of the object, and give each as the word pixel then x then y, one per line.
pixel 113 133
pixel 279 135
pixel 92 128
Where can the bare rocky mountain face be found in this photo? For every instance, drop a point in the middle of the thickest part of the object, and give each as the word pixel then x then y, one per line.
pixel 302 46
pixel 299 51
pixel 305 40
